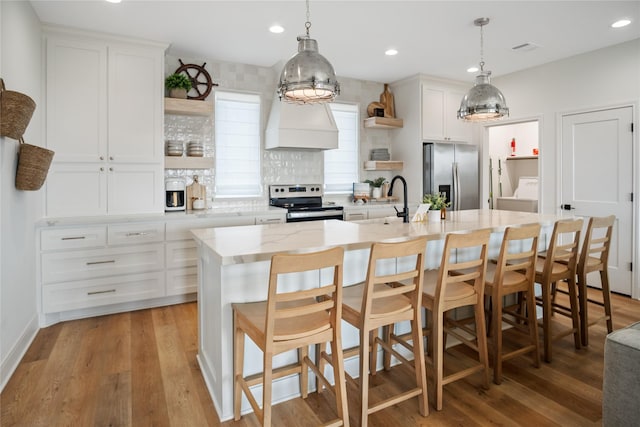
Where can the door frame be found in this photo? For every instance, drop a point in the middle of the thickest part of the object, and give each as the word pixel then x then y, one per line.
pixel 484 156
pixel 635 182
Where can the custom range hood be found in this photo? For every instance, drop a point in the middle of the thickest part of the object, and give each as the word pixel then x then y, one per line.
pixel 294 126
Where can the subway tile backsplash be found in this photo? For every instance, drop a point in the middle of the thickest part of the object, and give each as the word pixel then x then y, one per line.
pixel 278 166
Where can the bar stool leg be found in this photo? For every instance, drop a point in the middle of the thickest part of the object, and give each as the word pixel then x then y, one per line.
pixel 546 320
pixel 606 297
pixel 364 377
pixel 238 368
pixel 577 339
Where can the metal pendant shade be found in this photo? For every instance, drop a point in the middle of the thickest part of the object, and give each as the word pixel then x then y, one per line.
pixel 483 101
pixel 308 77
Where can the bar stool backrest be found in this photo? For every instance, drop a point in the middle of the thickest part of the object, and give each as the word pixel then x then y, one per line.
pixel 563 247
pixel 596 245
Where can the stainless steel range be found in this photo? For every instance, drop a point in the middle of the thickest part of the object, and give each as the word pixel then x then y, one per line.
pixel 303 202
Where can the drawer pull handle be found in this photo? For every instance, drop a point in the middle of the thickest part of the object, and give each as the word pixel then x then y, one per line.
pixel 74 238
pixel 109 291
pixel 112 261
pixel 139 233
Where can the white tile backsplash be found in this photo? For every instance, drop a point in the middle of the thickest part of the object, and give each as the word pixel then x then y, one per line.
pixel 278 166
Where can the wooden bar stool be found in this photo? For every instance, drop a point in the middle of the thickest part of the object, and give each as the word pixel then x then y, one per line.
pixel 385 299
pixel 594 257
pixel 559 263
pixel 513 273
pixel 457 284
pixel 292 320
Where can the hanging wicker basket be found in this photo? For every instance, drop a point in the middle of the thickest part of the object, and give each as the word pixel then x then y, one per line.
pixel 33 166
pixel 16 110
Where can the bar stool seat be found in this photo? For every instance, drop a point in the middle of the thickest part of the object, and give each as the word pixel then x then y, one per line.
pixel 513 274
pixel 385 299
pixel 288 321
pixel 557 264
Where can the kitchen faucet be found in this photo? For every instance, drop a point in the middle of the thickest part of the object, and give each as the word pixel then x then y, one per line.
pixel 405 211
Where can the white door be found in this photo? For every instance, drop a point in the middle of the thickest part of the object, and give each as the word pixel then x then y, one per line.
pixel 597 180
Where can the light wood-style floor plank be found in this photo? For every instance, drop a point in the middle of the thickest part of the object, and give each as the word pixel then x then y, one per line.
pixel 140 369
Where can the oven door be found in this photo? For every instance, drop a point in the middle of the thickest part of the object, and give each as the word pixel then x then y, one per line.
pixel 314 215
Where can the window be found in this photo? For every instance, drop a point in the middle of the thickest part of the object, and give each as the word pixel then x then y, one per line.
pixel 237 140
pixel 341 164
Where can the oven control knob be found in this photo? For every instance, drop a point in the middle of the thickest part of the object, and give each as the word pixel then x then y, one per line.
pixel 317 188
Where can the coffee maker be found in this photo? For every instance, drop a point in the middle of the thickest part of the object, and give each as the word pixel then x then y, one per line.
pixel 174 194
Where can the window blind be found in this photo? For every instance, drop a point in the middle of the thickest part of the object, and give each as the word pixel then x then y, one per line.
pixel 341 164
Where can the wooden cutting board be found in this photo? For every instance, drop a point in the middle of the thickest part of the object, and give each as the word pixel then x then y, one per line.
pixel 195 191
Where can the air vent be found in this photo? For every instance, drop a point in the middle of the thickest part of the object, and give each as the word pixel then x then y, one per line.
pixel 525 47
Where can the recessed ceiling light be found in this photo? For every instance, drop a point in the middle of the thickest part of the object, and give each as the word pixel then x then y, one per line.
pixel 391 52
pixel 472 69
pixel 114 1
pixel 621 23
pixel 276 29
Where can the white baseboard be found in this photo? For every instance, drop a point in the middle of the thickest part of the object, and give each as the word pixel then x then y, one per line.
pixel 17 352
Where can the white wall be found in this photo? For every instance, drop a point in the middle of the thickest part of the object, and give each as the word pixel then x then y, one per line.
pixel 21 69
pixel 602 78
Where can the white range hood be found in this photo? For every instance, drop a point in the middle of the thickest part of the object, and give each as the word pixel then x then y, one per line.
pixel 294 126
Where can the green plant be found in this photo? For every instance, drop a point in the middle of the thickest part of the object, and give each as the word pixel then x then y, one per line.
pixel 376 182
pixel 436 200
pixel 177 81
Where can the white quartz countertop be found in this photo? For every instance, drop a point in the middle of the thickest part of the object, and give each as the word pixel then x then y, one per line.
pixel 243 244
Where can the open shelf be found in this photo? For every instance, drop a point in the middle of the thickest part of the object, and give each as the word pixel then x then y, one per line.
pixel 175 162
pixel 187 107
pixel 522 157
pixel 383 165
pixel 383 123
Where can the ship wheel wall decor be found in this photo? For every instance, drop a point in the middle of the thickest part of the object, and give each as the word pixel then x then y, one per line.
pixel 201 81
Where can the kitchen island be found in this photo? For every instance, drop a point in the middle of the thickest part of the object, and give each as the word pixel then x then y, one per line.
pixel 233 266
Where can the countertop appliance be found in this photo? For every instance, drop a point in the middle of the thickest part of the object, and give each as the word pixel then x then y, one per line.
pixel 303 202
pixel 174 194
pixel 452 169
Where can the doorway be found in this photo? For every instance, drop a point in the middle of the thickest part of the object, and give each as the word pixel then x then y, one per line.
pixel 512 166
pixel 597 180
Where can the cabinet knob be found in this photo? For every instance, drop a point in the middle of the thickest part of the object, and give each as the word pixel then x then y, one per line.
pixel 110 157
pixel 110 169
pixel 101 157
pixel 101 169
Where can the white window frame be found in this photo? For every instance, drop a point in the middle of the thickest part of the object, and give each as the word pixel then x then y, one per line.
pixel 341 165
pixel 238 145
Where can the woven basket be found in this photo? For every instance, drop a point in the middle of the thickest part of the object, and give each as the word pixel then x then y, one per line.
pixel 33 166
pixel 16 110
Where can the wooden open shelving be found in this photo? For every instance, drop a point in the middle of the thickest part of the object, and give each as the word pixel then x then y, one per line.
pixel 522 157
pixel 383 165
pixel 383 123
pixel 187 107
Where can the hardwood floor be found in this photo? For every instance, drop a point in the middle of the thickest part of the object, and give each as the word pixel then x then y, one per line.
pixel 140 369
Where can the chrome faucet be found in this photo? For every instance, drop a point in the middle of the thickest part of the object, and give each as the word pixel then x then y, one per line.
pixel 405 211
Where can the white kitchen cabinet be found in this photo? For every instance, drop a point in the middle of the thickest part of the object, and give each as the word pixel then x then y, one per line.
pixel 128 234
pixel 73 238
pixel 440 106
pixel 355 214
pixel 105 124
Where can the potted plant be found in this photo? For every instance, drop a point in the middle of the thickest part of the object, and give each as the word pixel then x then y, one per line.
pixel 376 184
pixel 178 85
pixel 437 201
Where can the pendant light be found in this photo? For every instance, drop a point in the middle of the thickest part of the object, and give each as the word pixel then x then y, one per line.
pixel 308 78
pixel 483 101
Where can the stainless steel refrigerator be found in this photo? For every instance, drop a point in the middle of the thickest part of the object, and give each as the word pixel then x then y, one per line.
pixel 452 169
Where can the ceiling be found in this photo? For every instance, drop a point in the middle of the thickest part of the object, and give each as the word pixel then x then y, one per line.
pixel 436 38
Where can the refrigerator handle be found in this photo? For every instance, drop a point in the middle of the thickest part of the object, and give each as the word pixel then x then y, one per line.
pixel 456 187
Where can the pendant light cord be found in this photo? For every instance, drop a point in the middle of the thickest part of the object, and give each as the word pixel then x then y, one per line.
pixel 307 24
pixel 481 48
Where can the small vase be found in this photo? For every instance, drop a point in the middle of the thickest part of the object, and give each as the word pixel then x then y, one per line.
pixel 178 93
pixel 434 216
pixel 376 193
pixel 443 213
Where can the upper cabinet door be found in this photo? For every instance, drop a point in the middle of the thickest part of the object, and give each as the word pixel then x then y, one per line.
pixel 440 115
pixel 76 99
pixel 136 93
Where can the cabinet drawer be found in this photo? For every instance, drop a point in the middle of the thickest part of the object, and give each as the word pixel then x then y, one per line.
pixel 182 281
pixel 73 238
pixel 179 230
pixel 353 215
pixel 120 234
pixel 87 264
pixel 102 291
pixel 181 254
